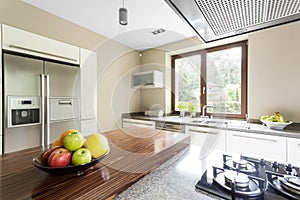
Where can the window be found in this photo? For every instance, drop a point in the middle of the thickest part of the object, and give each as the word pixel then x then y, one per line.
pixel 215 77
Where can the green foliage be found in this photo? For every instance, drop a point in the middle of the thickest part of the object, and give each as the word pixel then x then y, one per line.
pixel 181 106
pixel 191 107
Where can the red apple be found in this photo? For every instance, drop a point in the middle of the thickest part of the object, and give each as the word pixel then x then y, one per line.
pixel 60 157
pixel 46 155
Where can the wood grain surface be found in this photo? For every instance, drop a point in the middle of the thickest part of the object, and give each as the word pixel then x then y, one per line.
pixel 134 152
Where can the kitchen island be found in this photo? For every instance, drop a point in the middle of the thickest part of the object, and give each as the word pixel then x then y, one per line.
pixel 134 153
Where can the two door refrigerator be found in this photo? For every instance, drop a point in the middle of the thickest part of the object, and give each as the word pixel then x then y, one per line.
pixel 41 100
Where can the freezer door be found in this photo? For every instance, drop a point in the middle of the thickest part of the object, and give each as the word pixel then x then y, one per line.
pixel 64 79
pixel 22 76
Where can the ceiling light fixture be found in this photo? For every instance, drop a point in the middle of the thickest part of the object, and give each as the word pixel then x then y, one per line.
pixel 123 16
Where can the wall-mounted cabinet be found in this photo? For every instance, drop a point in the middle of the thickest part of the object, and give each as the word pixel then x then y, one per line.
pixel 20 41
pixel 148 79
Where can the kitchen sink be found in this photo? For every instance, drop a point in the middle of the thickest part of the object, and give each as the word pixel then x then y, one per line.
pixel 214 122
pixel 210 122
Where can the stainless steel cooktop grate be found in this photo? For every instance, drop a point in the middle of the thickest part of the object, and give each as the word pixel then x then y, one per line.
pixel 235 15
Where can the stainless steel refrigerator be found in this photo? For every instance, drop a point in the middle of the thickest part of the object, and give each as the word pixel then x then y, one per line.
pixel 41 100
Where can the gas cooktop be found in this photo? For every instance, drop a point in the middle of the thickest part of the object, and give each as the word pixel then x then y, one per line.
pixel 242 177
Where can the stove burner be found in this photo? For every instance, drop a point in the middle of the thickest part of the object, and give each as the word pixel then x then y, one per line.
pixel 239 164
pixel 239 179
pixel 245 177
pixel 291 184
pixel 287 185
pixel 295 181
pixel 239 184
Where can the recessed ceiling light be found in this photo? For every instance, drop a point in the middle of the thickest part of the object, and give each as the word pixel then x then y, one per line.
pixel 161 30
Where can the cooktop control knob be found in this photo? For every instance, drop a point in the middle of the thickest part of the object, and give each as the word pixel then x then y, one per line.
pixel 275 165
pixel 262 162
pixel 289 167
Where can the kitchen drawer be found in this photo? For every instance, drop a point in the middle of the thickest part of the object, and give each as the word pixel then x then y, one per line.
pixel 293 150
pixel 269 147
pixel 64 108
pixel 139 123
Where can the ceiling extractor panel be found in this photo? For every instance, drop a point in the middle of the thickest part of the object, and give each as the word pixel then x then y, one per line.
pixel 215 19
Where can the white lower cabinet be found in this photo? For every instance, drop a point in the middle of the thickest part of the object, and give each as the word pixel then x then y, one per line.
pixel 206 138
pixel 293 150
pixel 139 123
pixel 268 147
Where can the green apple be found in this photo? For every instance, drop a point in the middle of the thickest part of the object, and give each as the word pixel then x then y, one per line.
pixel 73 141
pixel 81 156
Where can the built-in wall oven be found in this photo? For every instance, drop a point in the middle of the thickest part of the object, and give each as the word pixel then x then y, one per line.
pixel 23 111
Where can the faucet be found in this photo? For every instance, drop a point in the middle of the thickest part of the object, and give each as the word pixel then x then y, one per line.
pixel 204 109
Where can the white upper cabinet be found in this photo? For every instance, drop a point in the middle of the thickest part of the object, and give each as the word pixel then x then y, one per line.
pixel 148 79
pixel 20 41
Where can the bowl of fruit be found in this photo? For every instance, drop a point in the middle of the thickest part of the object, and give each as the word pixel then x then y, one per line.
pixel 276 121
pixel 72 153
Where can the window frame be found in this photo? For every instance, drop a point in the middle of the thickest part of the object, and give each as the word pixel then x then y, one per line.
pixel 203 99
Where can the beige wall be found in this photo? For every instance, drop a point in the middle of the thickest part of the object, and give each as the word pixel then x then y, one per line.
pixel 21 15
pixel 274 72
pixel 153 60
pixel 116 63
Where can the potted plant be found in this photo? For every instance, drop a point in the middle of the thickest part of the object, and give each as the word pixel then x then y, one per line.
pixel 192 109
pixel 181 107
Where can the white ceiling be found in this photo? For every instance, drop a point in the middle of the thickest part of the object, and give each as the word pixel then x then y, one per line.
pixel 101 16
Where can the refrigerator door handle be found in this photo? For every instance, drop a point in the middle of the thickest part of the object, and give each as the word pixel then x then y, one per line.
pixel 47 141
pixel 42 136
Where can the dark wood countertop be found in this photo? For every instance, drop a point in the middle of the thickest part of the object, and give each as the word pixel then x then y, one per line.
pixel 134 153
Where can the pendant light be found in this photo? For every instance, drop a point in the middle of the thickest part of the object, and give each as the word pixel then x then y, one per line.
pixel 123 16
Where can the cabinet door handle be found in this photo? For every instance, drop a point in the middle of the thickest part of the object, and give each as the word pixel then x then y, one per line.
pixel 41 52
pixel 250 137
pixel 203 132
pixel 65 102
